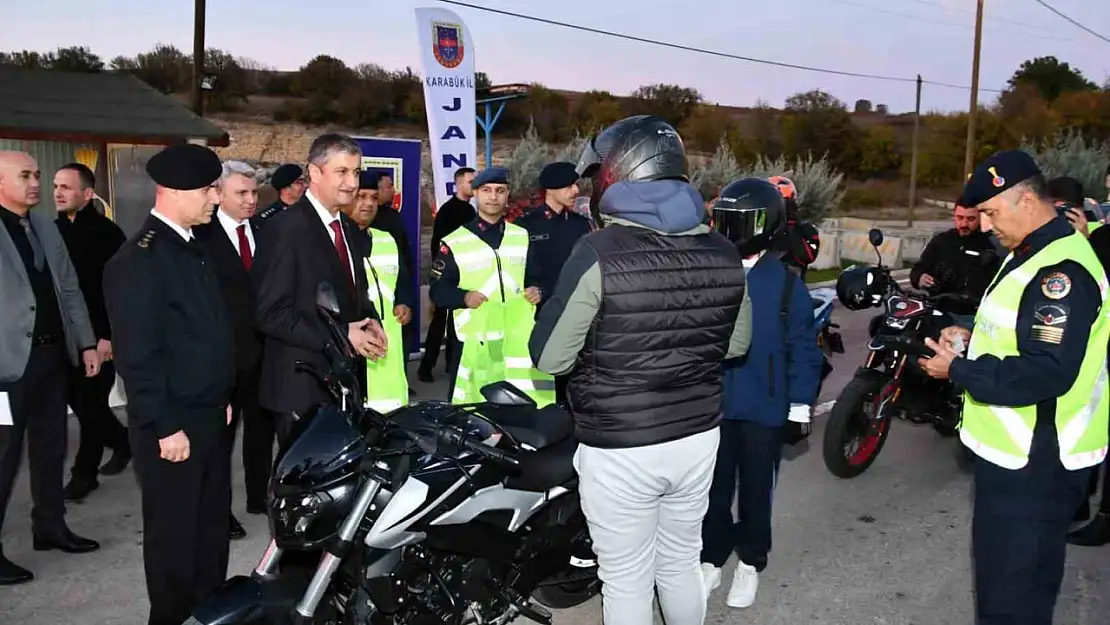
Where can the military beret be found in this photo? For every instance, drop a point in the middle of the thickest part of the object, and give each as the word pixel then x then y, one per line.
pixel 184 167
pixel 558 175
pixel 491 175
pixel 369 179
pixel 285 175
pixel 998 173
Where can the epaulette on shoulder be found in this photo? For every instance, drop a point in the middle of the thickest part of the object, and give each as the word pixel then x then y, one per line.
pixel 146 238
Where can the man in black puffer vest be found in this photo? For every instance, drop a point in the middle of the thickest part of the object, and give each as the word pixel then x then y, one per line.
pixel 644 312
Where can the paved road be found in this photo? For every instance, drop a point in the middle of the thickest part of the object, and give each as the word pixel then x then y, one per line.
pixel 888 548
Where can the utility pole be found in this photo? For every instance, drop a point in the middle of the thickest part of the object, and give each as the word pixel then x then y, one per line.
pixel 198 57
pixel 913 159
pixel 974 109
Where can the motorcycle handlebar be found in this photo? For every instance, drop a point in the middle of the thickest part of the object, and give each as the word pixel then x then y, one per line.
pixel 453 436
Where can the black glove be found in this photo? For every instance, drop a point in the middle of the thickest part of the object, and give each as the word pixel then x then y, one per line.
pixel 794 432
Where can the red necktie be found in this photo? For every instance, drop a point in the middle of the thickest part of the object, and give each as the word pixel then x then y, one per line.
pixel 341 250
pixel 244 247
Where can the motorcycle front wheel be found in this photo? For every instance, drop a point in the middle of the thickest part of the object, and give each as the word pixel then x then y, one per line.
pixel 858 425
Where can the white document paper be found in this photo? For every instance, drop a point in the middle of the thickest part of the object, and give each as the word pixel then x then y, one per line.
pixel 5 409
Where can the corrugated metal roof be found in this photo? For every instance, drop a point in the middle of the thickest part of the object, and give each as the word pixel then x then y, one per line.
pixel 111 107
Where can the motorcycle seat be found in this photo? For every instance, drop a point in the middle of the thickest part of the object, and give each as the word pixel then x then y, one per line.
pixel 537 429
pixel 546 468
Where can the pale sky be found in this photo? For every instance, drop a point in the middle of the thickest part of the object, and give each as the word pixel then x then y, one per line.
pixel 892 37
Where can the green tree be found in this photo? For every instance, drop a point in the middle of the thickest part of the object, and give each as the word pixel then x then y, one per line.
pixel 165 68
pixel 76 59
pixel 708 128
pixel 595 110
pixel 817 123
pixel 1050 77
pixel 482 81
pixel 546 109
pixel 879 153
pixel 322 76
pixel 231 87
pixel 671 102
pixel 28 59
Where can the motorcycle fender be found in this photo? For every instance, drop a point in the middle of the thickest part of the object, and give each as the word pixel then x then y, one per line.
pixel 245 600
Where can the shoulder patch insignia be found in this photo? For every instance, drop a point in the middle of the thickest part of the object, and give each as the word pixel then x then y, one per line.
pixel 148 236
pixel 539 237
pixel 443 249
pixel 1051 315
pixel 1056 285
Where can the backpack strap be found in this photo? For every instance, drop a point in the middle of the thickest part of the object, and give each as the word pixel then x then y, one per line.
pixel 784 305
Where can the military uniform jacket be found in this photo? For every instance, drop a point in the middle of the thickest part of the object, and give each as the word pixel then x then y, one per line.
pixel 172 334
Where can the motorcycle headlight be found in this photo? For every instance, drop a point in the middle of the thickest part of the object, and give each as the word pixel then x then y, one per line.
pixel 305 521
pixel 897 324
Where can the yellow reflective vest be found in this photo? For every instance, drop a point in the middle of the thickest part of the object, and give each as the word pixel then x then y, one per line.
pixel 1003 435
pixel 387 386
pixel 495 335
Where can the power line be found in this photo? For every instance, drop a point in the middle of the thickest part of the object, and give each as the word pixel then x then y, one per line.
pixel 1075 23
pixel 917 17
pixel 1000 20
pixel 725 55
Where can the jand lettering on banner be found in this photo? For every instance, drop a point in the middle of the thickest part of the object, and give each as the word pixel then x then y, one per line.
pixel 447 53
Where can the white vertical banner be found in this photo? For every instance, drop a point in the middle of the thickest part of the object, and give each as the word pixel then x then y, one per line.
pixel 447 54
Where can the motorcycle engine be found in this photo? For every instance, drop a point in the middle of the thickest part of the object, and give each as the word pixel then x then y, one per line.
pixel 441 588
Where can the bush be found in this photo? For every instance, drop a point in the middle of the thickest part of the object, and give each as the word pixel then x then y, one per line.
pixel 525 162
pixel 719 170
pixel 1070 154
pixel 818 183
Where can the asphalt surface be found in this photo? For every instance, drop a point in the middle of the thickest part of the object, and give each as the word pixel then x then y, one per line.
pixel 890 547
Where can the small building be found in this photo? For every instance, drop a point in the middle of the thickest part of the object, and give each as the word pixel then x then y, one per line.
pixel 111 122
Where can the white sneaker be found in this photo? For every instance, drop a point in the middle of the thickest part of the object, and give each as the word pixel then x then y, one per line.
pixel 710 578
pixel 745 583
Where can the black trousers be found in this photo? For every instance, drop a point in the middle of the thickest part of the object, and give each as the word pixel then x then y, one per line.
pixel 39 415
pixel 1019 533
pixel 259 435
pixel 440 331
pixel 100 428
pixel 747 466
pixel 185 519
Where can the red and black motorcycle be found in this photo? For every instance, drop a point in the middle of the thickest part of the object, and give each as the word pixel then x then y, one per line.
pixel 890 383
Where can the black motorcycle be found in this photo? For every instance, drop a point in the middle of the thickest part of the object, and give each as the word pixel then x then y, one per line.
pixel 432 514
pixel 890 383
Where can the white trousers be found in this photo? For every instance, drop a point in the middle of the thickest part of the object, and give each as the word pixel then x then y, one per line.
pixel 644 507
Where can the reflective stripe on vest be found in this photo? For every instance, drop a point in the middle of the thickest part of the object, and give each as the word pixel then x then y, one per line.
pixel 1003 435
pixel 495 335
pixel 386 383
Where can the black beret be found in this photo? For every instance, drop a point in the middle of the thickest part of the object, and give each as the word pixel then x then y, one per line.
pixel 369 179
pixel 285 175
pixel 998 173
pixel 492 175
pixel 1066 189
pixel 184 167
pixel 558 175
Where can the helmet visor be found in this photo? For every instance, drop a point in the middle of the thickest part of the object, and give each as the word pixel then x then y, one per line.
pixel 738 225
pixel 589 161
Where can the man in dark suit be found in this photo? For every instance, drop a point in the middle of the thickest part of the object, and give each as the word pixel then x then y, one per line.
pixel 307 244
pixel 92 239
pixel 44 330
pixel 229 241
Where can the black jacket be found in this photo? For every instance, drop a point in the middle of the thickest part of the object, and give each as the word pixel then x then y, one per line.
pixel 92 239
pixel 453 215
pixel 295 256
pixel 235 285
pixel 173 338
pixel 643 318
pixel 959 265
pixel 552 236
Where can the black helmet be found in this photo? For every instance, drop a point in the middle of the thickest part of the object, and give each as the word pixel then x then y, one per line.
pixel 860 287
pixel 637 148
pixel 751 213
pixel 802 243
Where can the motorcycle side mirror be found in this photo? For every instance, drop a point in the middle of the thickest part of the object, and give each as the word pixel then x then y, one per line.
pixel 326 300
pixel 875 236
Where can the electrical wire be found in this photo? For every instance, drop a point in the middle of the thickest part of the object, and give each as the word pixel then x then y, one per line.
pixel 725 55
pixel 1073 22
pixel 993 19
pixel 962 25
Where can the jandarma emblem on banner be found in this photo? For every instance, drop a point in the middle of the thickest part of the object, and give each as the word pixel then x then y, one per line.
pixel 447 44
